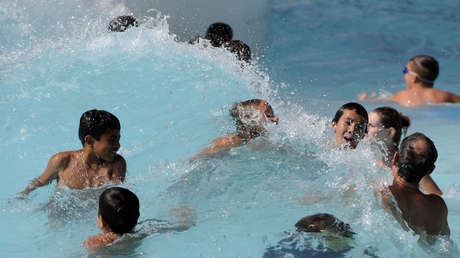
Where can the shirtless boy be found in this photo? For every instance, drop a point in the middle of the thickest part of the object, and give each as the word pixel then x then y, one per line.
pixel 97 163
pixel 425 214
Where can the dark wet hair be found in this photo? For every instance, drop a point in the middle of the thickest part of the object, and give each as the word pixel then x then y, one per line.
pixel 121 23
pixel 219 33
pixel 119 208
pixel 241 49
pixel 413 164
pixel 390 117
pixel 246 126
pixel 427 68
pixel 360 110
pixel 324 221
pixel 95 123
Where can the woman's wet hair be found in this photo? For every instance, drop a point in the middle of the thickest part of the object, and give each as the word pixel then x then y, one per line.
pixel 119 208
pixel 95 123
pixel 426 67
pixel 390 117
pixel 415 164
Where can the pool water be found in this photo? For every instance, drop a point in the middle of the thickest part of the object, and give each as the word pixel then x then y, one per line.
pixel 173 98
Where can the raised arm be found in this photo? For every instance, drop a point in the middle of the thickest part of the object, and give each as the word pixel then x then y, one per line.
pixel 55 164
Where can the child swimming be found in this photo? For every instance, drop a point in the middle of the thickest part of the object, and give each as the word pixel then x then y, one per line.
pixel 96 164
pixel 118 214
pixel 250 117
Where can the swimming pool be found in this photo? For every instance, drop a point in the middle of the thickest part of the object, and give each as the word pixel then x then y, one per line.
pixel 172 99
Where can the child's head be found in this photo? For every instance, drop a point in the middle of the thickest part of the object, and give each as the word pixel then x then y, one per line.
pixel 118 210
pixel 219 33
pixel 349 124
pixel 250 117
pixel 386 123
pixel 95 123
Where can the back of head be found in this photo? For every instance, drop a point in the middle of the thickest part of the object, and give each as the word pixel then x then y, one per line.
pixel 219 33
pixel 121 23
pixel 390 117
pixel 96 122
pixel 241 49
pixel 119 208
pixel 426 67
pixel 417 156
pixel 359 109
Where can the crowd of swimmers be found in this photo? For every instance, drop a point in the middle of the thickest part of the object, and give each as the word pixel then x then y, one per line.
pixel 413 197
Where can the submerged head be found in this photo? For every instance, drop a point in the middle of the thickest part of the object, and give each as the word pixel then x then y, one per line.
pixel 118 210
pixel 349 125
pixel 251 116
pixel 386 124
pixel 241 49
pixel 122 23
pixel 416 157
pixel 219 33
pixel 324 222
pixel 421 69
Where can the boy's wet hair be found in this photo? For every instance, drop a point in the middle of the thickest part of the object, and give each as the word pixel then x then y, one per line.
pixel 119 208
pixel 360 110
pixel 413 164
pixel 320 222
pixel 219 33
pixel 121 23
pixel 427 68
pixel 390 117
pixel 95 123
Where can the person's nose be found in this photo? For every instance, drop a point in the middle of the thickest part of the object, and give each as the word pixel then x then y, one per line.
pixel 351 127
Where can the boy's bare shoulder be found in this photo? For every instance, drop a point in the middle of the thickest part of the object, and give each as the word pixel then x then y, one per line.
pixel 64 157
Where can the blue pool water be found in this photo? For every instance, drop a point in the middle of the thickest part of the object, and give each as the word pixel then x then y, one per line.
pixel 172 99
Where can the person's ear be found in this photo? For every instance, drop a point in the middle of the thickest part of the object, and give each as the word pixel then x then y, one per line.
pixel 100 222
pixel 392 132
pixel 89 139
pixel 334 125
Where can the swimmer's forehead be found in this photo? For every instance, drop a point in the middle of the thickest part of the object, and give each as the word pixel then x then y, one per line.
pixel 351 115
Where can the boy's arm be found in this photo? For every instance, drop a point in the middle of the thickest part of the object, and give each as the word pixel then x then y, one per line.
pixel 220 145
pixel 51 172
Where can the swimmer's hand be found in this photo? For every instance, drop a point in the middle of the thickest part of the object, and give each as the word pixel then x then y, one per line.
pixel 363 96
